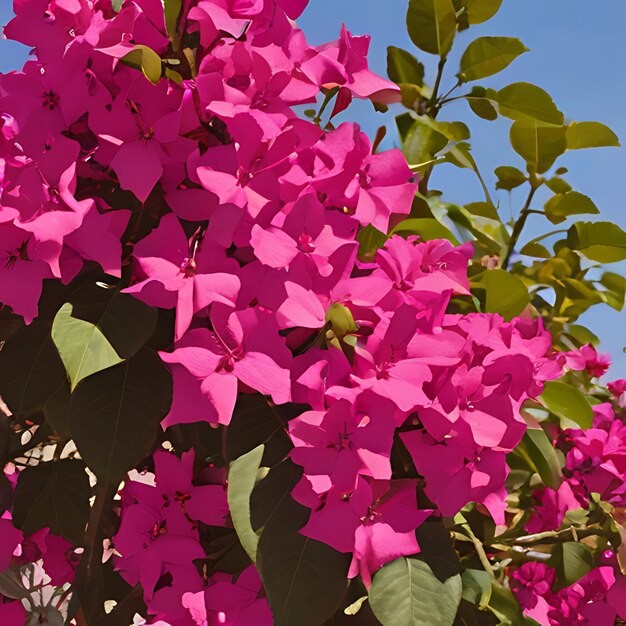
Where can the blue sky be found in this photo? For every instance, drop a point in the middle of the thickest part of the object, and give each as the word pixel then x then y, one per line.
pixel 576 53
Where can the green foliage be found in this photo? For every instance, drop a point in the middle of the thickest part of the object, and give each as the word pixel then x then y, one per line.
pixel 30 369
pixel 432 25
pixel 598 241
pixel 572 560
pixel 405 592
pixel 242 476
pixel 115 415
pixel 538 143
pixel 479 11
pixel 568 402
pixel 489 55
pixel 590 135
pixel 538 449
pixel 53 495
pixel 146 60
pixel 520 101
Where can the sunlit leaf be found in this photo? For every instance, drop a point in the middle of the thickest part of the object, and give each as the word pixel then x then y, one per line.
pixel 566 401
pixel 431 24
pixel 403 67
pixel 520 101
pixel 543 456
pixel 486 56
pixel 509 177
pixel 479 11
pixel 145 59
pixel 604 242
pixel 538 143
pixel 426 228
pixel 504 293
pixel 561 206
pixel 590 135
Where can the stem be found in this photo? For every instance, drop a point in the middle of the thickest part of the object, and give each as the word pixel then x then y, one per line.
pixel 556 536
pixel 433 99
pixel 42 433
pixel 480 550
pixel 521 222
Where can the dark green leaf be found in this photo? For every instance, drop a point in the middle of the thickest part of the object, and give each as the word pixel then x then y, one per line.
pixel 305 580
pixel 509 177
pixel 521 101
pixel 115 415
pixel 561 206
pixel 477 587
pixel 479 11
pixel 145 59
pixel 486 56
pixel 566 401
pixel 504 293
pixel 426 228
pixel 403 67
pixel 543 456
pixel 242 476
pixel 504 606
pixel 483 107
pixel 538 143
pixel 56 410
pixel 30 369
pixel 590 135
pixel 405 592
pixel 437 550
pixel 55 495
pixel 255 422
pixel 604 242
pixel 572 560
pixel 370 241
pixel 432 25
pixel 172 10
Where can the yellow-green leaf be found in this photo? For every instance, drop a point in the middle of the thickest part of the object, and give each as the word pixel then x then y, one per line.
pixel 426 228
pixel 566 401
pixel 604 242
pixel 538 143
pixel 403 67
pixel 509 177
pixel 489 55
pixel 562 205
pixel 172 11
pixel 504 293
pixel 145 59
pixel 479 11
pixel 431 25
pixel 520 101
pixel 542 454
pixel 590 135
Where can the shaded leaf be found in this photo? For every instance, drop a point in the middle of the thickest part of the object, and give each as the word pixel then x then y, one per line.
pixel 30 368
pixel 426 228
pixel 590 135
pixel 172 11
pixel 403 67
pixel 145 59
pixel 56 410
pixel 55 495
pixel 431 25
pixel 115 415
pixel 422 142
pixel 509 177
pixel 543 456
pixel 604 242
pixel 504 293
pixel 505 607
pixel 242 476
pixel 476 587
pixel 437 550
pixel 520 101
pixel 405 592
pixel 305 580
pixel 538 143
pixel 572 560
pixel 561 206
pixel 566 401
pixel 486 56
pixel 370 241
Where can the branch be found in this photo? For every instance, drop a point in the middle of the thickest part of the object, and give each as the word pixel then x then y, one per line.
pixel 520 223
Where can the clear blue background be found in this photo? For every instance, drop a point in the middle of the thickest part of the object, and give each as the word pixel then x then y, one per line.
pixel 577 54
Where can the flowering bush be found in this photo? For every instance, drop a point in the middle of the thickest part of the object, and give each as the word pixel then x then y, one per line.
pixel 260 343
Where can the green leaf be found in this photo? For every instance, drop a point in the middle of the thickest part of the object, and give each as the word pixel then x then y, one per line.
pixel 305 580
pixel 479 11
pixel 505 607
pixel 476 587
pixel 30 369
pixel 422 142
pixel 483 107
pixel 55 495
pixel 604 242
pixel 431 25
pixel 426 228
pixel 486 56
pixel 566 401
pixel 145 59
pixel 115 415
pixel 83 347
pixel 532 248
pixel 117 5
pixel 405 592
pixel 172 11
pixel 56 409
pixel 561 206
pixel 572 560
pixel 403 67
pixel 256 421
pixel 504 293
pixel 558 185
pixel 370 241
pixel 543 456
pixel 99 328
pixel 590 135
pixel 520 101
pixel 242 476
pixel 538 143
pixel 615 285
pixel 509 177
